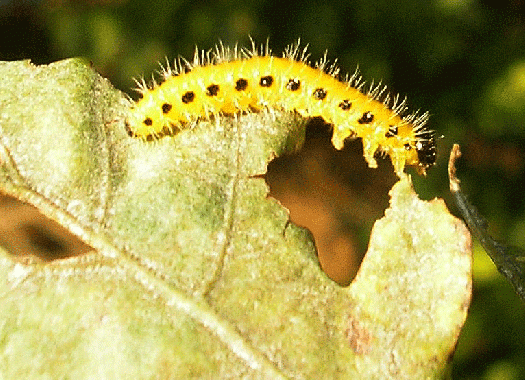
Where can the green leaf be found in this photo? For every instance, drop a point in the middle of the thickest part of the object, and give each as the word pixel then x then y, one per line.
pixel 195 273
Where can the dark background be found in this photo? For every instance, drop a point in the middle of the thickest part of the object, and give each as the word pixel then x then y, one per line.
pixel 464 60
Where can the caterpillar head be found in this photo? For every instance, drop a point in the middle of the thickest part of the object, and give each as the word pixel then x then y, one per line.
pixel 426 151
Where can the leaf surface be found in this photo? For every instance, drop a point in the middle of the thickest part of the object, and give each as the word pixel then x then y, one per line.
pixel 195 273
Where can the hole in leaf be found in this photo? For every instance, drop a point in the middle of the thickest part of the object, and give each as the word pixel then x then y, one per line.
pixel 30 236
pixel 335 195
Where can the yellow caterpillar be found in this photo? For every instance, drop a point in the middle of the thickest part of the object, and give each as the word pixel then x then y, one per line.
pixel 228 81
